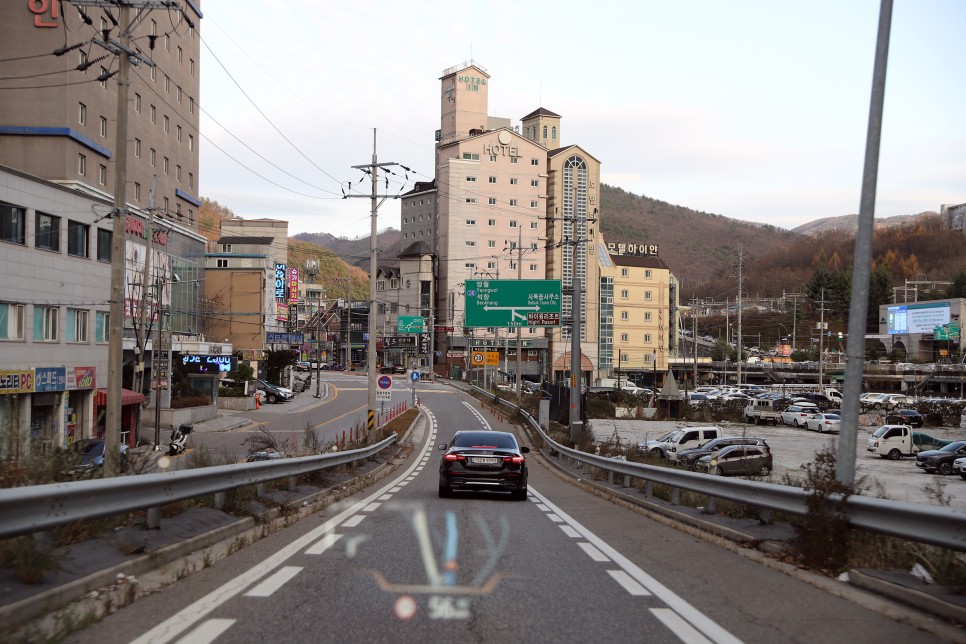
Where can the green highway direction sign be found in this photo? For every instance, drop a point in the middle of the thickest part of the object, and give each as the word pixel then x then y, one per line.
pixel 512 303
pixel 410 324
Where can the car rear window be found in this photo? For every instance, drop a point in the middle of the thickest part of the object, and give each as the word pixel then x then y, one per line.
pixel 485 439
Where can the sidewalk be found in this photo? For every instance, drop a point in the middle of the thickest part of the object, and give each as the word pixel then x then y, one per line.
pixel 225 422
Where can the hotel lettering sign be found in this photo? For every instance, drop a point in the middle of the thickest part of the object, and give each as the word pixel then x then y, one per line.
pixel 472 82
pixel 624 248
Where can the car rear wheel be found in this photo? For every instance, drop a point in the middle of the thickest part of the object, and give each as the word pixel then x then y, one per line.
pixel 445 492
pixel 519 495
pixel 945 468
pixel 764 470
pixel 894 455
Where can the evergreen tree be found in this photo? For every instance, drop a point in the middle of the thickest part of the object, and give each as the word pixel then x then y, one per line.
pixel 958 287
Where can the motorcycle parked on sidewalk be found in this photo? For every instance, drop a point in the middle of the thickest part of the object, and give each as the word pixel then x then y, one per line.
pixel 179 438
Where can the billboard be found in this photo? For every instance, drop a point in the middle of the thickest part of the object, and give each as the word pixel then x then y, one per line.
pixel 917 318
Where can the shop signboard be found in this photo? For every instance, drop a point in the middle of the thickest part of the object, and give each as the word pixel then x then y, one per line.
pixel 80 378
pixel 50 379
pixel 17 382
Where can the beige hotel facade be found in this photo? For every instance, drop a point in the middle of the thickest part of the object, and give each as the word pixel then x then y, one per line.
pixel 514 202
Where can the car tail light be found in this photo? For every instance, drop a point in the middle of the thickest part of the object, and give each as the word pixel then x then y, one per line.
pixel 515 459
pixel 454 457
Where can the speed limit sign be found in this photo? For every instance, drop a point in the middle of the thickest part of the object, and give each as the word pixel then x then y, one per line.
pixel 478 358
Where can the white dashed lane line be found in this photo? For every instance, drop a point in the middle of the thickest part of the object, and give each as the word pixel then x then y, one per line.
pixel 353 521
pixel 570 532
pixel 274 582
pixel 631 586
pixel 208 631
pixel 323 544
pixel 371 507
pixel 592 552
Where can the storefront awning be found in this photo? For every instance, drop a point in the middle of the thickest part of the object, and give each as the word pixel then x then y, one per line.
pixel 128 397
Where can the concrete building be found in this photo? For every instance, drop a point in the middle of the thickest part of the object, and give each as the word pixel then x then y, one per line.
pixel 639 292
pixel 55 254
pixel 60 124
pixel 250 285
pixel 492 185
pixel 57 146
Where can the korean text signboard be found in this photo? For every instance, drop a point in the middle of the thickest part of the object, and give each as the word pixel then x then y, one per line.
pixel 512 303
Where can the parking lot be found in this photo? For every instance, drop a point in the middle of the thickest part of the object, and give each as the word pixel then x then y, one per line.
pixel 792 448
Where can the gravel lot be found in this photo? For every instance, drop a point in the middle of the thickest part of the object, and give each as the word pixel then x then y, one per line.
pixel 791 448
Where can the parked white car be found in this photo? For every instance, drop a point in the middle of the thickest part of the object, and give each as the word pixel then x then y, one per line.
pixel 796 414
pixel 959 467
pixel 823 422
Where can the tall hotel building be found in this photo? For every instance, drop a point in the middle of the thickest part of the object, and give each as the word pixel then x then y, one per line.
pixel 506 204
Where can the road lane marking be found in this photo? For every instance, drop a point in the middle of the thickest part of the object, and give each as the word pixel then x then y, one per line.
pixel 676 624
pixel 592 552
pixel 553 517
pixel 371 507
pixel 385 497
pixel 323 544
pixel 542 507
pixel 631 586
pixel 353 521
pixel 181 621
pixel 570 532
pixel 274 582
pixel 395 489
pixel 207 632
pixel 705 626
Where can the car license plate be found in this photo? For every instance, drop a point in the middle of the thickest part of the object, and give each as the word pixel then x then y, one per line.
pixel 486 460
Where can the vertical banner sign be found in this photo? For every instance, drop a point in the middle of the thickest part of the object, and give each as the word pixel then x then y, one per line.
pixel 279 281
pixel 293 285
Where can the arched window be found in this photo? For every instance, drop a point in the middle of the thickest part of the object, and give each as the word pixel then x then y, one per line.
pixel 544 132
pixel 553 134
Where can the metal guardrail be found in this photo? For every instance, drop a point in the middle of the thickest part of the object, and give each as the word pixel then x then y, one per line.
pixel 40 508
pixel 936 525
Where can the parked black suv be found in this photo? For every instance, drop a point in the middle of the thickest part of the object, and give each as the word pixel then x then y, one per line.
pixel 909 417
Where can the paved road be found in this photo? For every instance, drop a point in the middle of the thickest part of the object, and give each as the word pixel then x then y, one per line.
pixel 398 564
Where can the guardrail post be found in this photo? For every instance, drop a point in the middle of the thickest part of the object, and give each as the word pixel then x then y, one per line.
pixel 711 507
pixel 765 515
pixel 610 477
pixel 627 480
pixel 649 489
pixel 291 484
pixel 676 496
pixel 259 489
pixel 219 500
pixel 154 518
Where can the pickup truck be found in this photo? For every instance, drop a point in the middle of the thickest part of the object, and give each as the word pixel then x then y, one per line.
pixel 895 441
pixel 762 411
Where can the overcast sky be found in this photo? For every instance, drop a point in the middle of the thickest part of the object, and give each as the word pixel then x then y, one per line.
pixel 752 109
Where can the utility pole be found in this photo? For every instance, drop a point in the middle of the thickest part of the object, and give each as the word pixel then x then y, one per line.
pixel 375 202
pixel 121 47
pixel 576 424
pixel 859 305
pixel 741 267
pixel 519 378
pixel 115 349
pixel 142 329
pixel 821 337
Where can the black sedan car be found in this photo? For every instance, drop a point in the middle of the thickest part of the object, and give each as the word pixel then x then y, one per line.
pixel 941 460
pixel 909 417
pixel 483 460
